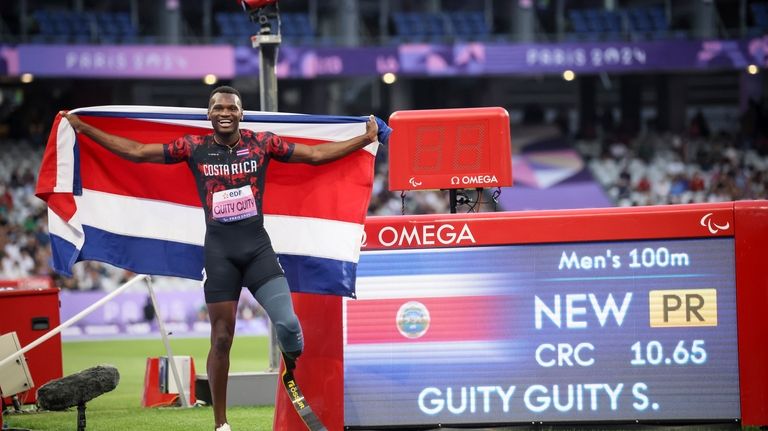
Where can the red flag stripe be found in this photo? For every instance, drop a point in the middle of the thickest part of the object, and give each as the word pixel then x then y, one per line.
pixel 450 319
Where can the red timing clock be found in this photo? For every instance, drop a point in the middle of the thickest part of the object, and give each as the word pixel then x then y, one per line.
pixel 463 148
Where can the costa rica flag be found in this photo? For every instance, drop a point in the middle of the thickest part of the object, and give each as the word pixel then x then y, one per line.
pixel 147 217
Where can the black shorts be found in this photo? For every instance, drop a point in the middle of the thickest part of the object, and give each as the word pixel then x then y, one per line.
pixel 237 255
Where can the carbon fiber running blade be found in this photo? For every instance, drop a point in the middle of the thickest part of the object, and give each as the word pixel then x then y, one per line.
pixel 300 404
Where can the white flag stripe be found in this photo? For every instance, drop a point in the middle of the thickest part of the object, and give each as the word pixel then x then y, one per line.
pixel 428 286
pixel 70 231
pixel 65 142
pixel 331 239
pixel 143 108
pixel 425 352
pixel 129 216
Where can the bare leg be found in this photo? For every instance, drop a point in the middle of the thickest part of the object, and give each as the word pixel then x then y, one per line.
pixel 222 316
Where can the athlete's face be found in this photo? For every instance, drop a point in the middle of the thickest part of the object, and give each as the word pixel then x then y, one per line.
pixel 225 112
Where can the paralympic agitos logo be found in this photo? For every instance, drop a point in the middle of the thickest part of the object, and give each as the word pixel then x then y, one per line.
pixel 713 227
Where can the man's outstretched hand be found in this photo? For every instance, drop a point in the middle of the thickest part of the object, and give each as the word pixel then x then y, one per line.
pixel 371 128
pixel 73 119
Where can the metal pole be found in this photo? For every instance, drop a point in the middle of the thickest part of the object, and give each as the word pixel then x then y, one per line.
pixel 268 45
pixel 73 320
pixel 164 335
pixel 560 18
pixel 23 20
pixel 207 20
pixel 267 76
pixel 742 18
pixel 268 95
pixel 383 22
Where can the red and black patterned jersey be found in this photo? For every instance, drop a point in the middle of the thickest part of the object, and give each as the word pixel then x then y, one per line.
pixel 230 181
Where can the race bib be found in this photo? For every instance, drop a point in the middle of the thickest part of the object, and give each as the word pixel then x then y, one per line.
pixel 234 204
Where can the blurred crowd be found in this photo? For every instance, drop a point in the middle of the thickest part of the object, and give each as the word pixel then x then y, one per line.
pixel 681 171
pixel 694 167
pixel 24 241
pixel 647 169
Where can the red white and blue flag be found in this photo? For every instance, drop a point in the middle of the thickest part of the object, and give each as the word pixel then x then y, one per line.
pixel 147 217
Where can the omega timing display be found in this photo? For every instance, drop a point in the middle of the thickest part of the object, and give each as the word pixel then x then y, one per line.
pixel 628 330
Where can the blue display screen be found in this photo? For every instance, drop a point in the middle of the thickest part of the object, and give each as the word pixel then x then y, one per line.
pixel 602 331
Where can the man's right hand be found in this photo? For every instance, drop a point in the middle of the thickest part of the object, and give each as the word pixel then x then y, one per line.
pixel 123 147
pixel 73 119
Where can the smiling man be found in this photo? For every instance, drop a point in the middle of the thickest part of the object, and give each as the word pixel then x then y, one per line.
pixel 229 168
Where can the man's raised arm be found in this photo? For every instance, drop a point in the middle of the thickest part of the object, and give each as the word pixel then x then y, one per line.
pixel 330 151
pixel 123 147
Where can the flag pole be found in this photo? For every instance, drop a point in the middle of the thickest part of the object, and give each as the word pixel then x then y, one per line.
pixel 53 332
pixel 164 335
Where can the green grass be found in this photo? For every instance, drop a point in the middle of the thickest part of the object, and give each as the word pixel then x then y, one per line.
pixel 120 410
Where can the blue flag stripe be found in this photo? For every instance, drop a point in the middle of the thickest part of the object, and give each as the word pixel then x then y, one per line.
pixel 305 274
pixel 309 274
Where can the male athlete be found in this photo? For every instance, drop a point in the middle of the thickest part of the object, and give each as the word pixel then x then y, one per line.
pixel 229 169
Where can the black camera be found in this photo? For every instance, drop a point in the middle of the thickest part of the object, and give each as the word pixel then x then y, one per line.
pixel 265 13
pixel 255 5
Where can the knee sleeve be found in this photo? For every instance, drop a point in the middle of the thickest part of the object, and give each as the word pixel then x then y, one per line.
pixel 289 334
pixel 275 297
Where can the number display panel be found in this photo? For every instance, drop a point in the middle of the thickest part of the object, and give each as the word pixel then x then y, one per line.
pixel 598 331
pixel 450 149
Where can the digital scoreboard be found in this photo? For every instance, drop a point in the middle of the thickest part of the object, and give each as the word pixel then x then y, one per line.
pixel 565 332
pixel 580 316
pixel 611 315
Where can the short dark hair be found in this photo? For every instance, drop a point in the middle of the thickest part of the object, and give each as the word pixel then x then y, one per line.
pixel 226 89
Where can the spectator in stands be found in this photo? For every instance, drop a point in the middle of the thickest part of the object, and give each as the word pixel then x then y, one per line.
pixel 643 186
pixel 607 121
pixel 698 127
pixel 6 200
pixel 624 185
pixel 697 183
pixel 562 123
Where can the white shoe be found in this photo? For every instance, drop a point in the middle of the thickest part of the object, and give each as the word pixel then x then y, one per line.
pixel 224 427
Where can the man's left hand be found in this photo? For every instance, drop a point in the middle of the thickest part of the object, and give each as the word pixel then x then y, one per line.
pixel 371 128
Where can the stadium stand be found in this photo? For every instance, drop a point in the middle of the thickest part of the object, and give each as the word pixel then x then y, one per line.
pixel 635 23
pixel 759 12
pixel 719 172
pixel 436 27
pixel 648 22
pixel 595 24
pixel 233 28
pixel 62 27
pixel 469 26
pixel 24 249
